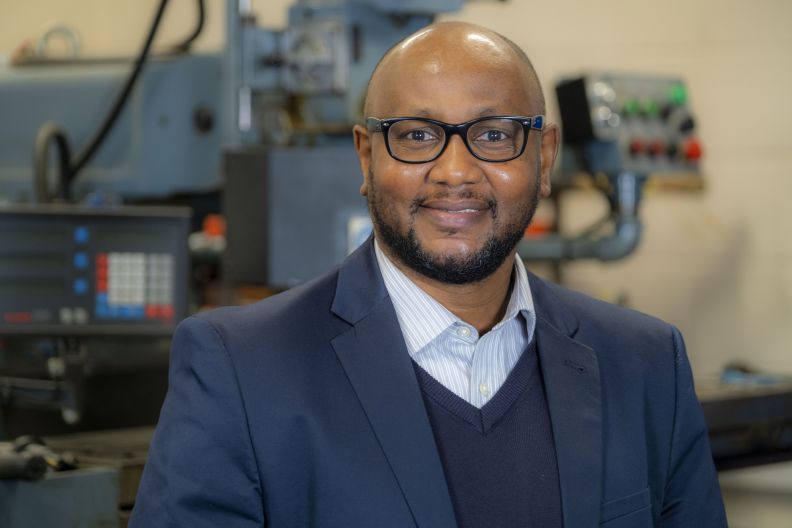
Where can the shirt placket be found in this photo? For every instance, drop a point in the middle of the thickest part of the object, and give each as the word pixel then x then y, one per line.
pixel 481 387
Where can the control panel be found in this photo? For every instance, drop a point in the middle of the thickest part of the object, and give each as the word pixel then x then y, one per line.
pixel 66 270
pixel 630 123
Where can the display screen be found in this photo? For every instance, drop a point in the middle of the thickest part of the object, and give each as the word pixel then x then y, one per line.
pixel 31 235
pixel 26 264
pixel 10 290
pixel 69 271
pixel 122 238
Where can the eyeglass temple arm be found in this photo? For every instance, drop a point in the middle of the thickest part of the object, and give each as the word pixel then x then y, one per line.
pixel 373 124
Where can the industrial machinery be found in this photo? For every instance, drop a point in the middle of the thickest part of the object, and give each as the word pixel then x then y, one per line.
pixel 619 130
pixel 69 271
pixel 86 291
pixel 166 141
pixel 640 124
pixel 305 84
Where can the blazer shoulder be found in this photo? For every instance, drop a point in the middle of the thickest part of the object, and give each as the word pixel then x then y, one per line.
pixel 604 326
pixel 588 310
pixel 290 313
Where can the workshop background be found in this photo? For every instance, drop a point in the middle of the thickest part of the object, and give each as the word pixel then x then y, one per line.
pixel 716 261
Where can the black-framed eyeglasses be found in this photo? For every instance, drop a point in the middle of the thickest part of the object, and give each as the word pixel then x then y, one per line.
pixel 421 140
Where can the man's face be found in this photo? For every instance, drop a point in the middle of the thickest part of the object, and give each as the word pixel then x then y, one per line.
pixel 455 219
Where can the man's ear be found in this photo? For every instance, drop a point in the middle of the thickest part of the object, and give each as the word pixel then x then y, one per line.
pixel 551 137
pixel 363 148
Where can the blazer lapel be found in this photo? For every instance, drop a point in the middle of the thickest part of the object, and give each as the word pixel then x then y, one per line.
pixel 572 383
pixel 374 356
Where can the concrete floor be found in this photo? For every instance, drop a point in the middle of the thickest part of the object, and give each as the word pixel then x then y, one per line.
pixel 759 497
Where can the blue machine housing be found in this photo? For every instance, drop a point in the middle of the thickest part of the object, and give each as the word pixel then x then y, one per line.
pixel 167 140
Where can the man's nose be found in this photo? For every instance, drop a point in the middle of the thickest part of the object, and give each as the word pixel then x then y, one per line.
pixel 456 165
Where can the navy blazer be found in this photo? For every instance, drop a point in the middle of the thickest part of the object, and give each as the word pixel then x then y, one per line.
pixel 304 410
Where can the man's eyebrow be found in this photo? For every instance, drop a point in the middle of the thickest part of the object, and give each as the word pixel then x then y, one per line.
pixel 422 112
pixel 489 110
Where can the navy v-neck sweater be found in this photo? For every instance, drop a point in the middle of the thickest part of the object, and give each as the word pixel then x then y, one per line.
pixel 500 460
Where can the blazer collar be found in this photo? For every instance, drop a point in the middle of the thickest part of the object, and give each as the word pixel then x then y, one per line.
pixel 375 359
pixel 359 285
pixel 550 307
pixel 574 398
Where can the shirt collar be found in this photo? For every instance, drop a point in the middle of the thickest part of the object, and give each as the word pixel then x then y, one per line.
pixel 422 318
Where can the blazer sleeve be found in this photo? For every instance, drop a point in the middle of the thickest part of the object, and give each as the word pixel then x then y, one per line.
pixel 692 494
pixel 201 470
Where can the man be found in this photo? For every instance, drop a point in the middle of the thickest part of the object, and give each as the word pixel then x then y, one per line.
pixel 430 381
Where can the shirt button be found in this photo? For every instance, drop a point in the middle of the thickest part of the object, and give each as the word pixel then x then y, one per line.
pixel 463 331
pixel 484 390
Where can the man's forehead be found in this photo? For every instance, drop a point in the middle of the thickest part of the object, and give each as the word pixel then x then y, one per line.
pixel 447 45
pixel 465 55
pixel 422 86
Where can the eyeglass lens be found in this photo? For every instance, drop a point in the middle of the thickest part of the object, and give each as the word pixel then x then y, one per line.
pixel 493 139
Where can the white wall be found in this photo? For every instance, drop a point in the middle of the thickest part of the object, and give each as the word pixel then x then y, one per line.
pixel 716 263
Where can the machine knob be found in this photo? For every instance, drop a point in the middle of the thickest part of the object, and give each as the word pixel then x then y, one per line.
pixel 687 125
pixel 203 119
pixel 636 147
pixel 671 150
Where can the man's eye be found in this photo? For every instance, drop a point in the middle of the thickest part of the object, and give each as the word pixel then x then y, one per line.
pixel 417 135
pixel 492 135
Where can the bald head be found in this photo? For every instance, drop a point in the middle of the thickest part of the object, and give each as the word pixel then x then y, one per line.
pixel 449 46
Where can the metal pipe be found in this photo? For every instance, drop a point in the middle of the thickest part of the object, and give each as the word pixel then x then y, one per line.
pixel 623 241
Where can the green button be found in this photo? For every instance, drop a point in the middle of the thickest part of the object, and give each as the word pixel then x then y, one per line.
pixel 677 94
pixel 651 108
pixel 631 107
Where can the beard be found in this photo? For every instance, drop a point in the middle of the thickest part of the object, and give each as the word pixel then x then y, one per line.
pixel 450 269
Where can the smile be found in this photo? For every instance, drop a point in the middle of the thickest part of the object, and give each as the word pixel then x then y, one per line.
pixel 455 214
pixel 457 206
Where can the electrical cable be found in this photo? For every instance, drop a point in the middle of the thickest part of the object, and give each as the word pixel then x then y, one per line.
pixel 199 26
pixel 49 131
pixel 88 152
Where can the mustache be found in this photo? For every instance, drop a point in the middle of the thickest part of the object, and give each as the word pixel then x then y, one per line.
pixel 419 201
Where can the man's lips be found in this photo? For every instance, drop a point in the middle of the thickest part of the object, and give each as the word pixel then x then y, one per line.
pixel 457 206
pixel 455 214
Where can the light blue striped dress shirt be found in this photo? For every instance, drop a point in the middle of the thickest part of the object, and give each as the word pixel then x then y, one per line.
pixel 449 349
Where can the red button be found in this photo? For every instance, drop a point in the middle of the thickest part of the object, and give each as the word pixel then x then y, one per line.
pixel 636 147
pixel 693 150
pixel 166 311
pixel 151 311
pixel 18 317
pixel 101 259
pixel 657 148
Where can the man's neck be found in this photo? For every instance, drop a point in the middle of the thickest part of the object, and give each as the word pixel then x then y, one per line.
pixel 481 304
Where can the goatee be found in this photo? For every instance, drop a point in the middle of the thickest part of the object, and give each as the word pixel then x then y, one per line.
pixel 450 269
